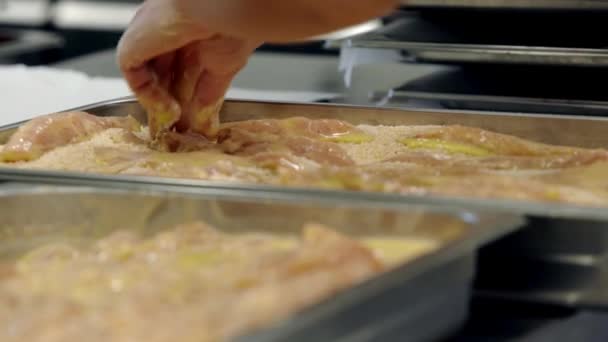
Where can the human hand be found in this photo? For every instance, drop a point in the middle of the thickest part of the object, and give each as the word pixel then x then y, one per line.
pixel 178 68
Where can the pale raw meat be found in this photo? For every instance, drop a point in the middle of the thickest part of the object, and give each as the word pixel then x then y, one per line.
pixel 183 284
pixel 51 131
pixel 300 137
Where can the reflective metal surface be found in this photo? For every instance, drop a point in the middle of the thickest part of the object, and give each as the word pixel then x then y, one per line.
pixel 491 39
pixel 407 303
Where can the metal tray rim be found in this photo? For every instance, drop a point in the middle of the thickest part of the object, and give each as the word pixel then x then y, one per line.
pixel 396 94
pixel 132 99
pixel 380 41
pixel 293 194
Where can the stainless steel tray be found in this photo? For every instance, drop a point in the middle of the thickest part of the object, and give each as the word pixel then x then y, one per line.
pixel 408 303
pixel 555 233
pixel 564 130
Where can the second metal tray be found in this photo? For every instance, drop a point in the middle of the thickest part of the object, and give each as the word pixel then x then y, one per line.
pixel 588 132
pixel 423 300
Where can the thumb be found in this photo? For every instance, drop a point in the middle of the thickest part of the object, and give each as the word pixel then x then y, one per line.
pixel 220 58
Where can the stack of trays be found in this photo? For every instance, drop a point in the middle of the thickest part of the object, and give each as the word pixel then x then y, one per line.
pixel 560 38
pixel 556 255
pixel 487 88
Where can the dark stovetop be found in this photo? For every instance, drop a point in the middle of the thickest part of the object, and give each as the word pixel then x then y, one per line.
pixel 502 321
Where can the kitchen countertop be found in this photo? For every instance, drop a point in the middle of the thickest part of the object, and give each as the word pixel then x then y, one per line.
pixel 286 71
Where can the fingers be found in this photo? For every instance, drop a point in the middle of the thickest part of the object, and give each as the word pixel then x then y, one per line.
pixel 188 68
pixel 163 111
pixel 221 58
pixel 178 70
pixel 146 60
pixel 201 114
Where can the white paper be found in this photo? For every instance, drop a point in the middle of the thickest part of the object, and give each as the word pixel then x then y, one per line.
pixel 29 92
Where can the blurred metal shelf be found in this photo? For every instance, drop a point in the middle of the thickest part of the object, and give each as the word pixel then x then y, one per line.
pixel 509 89
pixel 27 46
pixel 25 12
pixel 512 4
pixel 565 39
